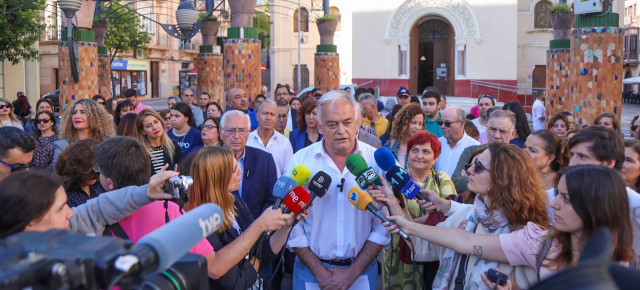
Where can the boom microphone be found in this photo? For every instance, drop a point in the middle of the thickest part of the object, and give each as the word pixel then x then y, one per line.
pixel 283 185
pixel 401 181
pixel 301 174
pixel 365 175
pixel 363 201
pixel 384 158
pixel 161 248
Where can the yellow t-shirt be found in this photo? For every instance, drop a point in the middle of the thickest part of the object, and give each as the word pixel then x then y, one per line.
pixel 380 126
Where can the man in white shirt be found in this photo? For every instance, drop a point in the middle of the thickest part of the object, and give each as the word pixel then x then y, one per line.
pixel 267 139
pixel 454 139
pixel 336 243
pixel 538 112
pixel 484 103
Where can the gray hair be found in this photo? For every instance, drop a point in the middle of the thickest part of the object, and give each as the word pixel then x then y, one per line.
pixel 266 102
pixel 368 98
pixel 331 97
pixel 503 114
pixel 232 113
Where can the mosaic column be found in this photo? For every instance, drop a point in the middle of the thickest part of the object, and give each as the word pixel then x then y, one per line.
pixel 559 77
pixel 88 64
pixel 104 72
pixel 242 60
pixel 210 73
pixel 596 64
pixel 327 61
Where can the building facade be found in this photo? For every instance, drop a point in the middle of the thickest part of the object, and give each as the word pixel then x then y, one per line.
pixel 631 25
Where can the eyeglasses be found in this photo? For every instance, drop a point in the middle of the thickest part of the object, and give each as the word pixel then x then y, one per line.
pixel 477 167
pixel 43 121
pixel 209 127
pixel 18 166
pixel 233 131
pixel 447 123
pixel 5 106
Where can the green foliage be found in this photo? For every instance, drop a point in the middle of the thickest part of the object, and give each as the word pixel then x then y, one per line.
pixel 125 32
pixel 559 8
pixel 203 17
pixel 20 29
pixel 325 18
pixel 261 22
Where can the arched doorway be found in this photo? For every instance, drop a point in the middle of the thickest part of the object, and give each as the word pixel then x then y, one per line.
pixel 432 55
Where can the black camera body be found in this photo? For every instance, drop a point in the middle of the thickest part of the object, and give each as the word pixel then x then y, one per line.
pixel 496 277
pixel 178 186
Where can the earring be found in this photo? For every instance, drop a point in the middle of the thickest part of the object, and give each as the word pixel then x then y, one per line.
pixel 546 170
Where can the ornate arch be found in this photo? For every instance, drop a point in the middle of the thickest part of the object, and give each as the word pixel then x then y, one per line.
pixel 457 12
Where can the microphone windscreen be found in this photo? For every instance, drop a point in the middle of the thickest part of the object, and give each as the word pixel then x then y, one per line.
pixel 297 199
pixel 283 185
pixel 397 177
pixel 301 174
pixel 356 164
pixel 319 184
pixel 176 238
pixel 384 158
pixel 359 198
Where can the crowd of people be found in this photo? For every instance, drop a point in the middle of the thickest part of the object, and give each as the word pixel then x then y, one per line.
pixel 498 195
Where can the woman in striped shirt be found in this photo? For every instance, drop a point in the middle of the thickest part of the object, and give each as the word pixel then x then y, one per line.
pixel 162 150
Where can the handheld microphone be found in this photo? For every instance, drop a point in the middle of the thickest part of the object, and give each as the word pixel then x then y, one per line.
pixel 161 248
pixel 295 201
pixel 301 174
pixel 365 175
pixel 318 186
pixel 384 158
pixel 363 201
pixel 283 185
pixel 401 181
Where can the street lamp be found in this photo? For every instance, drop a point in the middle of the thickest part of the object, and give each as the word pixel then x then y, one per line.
pixel 188 24
pixel 69 7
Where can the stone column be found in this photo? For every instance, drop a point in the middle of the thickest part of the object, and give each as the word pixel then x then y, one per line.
pixel 461 65
pixel 104 72
pixel 242 60
pixel 326 58
pixel 559 78
pixel 596 64
pixel 210 73
pixel 88 64
pixel 404 47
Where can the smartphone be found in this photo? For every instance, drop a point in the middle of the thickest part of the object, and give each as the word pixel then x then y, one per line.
pixel 496 277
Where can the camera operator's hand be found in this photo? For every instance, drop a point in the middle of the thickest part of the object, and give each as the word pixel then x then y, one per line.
pixel 155 189
pixel 272 219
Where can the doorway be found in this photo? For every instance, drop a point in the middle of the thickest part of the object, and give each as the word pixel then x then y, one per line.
pixel 432 58
pixel 539 78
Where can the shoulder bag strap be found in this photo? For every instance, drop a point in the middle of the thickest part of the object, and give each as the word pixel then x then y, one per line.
pixel 546 245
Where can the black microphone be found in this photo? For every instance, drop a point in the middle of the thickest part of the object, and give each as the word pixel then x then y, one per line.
pixel 319 185
pixel 341 185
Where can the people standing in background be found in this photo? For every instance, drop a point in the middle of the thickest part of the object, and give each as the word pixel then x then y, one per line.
pixel 172 100
pixel 238 100
pixel 198 115
pixel 572 122
pixel 538 112
pixel 431 107
pixel 408 121
pixel 295 103
pixel 608 120
pixel 558 124
pixel 132 96
pixel 76 168
pixel 484 103
pixel 257 101
pixel 454 139
pixel 7 117
pixel 281 126
pixel 203 100
pixel 41 105
pixel 153 136
pixel 213 110
pixel 44 136
pixel 373 118
pixel 123 108
pixel 22 108
pixel 267 139
pixel 307 132
pixel 211 132
pixel 183 131
pixel 166 117
pixel 548 155
pixel 403 96
pixel 522 124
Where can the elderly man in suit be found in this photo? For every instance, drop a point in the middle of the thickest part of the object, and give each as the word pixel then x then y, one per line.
pixel 259 169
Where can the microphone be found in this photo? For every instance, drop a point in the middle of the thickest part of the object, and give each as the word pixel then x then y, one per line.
pixel 161 248
pixel 295 201
pixel 384 158
pixel 401 181
pixel 283 185
pixel 365 175
pixel 318 185
pixel 301 174
pixel 363 201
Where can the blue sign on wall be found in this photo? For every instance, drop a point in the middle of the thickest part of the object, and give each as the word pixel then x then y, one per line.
pixel 119 64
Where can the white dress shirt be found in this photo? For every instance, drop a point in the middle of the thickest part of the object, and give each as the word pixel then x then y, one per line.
pixel 278 145
pixel 449 157
pixel 334 228
pixel 537 111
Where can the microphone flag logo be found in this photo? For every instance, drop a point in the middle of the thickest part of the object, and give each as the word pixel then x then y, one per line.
pixel 353 196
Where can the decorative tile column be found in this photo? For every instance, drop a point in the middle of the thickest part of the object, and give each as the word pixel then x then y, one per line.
pixel 596 64
pixel 327 67
pixel 88 85
pixel 211 73
pixel 559 77
pixel 104 72
pixel 242 60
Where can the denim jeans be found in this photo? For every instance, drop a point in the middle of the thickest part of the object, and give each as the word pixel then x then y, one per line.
pixel 302 274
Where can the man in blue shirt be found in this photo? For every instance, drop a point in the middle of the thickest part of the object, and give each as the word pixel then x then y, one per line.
pixel 237 99
pixel 431 109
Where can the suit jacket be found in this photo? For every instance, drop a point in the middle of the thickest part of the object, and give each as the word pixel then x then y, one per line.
pixel 258 178
pixel 297 137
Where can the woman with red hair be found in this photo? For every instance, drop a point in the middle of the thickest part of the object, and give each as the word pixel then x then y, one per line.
pixel 423 148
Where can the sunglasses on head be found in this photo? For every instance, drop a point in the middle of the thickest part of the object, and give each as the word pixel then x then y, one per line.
pixel 19 166
pixel 477 167
pixel 446 123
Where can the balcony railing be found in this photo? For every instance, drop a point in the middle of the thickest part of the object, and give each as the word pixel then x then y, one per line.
pixel 51 34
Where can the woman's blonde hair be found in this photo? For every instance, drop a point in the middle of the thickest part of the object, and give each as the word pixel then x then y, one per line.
pixel 12 114
pixel 211 170
pixel 100 123
pixel 166 141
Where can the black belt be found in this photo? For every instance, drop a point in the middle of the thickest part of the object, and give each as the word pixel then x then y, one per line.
pixel 338 262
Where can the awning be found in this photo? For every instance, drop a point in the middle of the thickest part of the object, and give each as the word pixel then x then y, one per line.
pixel 631 81
pixel 193 71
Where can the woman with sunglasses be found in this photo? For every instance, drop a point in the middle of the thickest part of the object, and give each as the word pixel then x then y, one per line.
pixel 407 121
pixel 183 131
pixel 84 119
pixel 211 132
pixel 216 176
pixel 166 116
pixel 7 117
pixel 587 197
pixel 548 155
pixel 44 135
pixel 506 201
pixel 75 167
pixel 152 135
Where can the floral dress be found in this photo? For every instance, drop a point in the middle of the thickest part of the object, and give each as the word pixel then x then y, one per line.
pixel 43 154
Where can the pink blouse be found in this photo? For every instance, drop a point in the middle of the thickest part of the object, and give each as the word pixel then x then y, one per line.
pixel 522 247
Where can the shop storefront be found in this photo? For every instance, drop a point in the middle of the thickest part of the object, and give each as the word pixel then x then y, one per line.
pixel 129 74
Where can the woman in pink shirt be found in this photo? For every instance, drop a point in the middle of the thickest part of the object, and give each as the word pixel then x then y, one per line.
pixel 587 197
